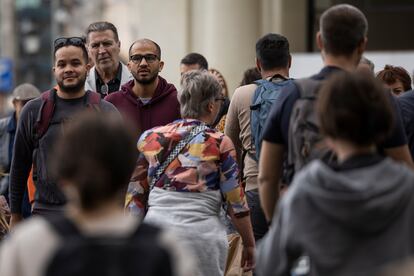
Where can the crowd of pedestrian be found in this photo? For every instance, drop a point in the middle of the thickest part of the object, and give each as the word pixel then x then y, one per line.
pixel 113 171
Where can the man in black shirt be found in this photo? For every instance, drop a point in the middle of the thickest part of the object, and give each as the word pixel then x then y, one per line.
pixel 108 74
pixel 68 98
pixel 342 39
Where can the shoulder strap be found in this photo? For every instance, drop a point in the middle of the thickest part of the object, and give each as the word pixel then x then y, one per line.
pixel 307 87
pixel 93 98
pixel 63 226
pixel 45 113
pixel 174 153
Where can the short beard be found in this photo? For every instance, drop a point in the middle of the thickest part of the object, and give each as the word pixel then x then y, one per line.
pixel 73 89
pixel 145 81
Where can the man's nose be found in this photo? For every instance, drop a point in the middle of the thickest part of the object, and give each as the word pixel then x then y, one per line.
pixel 143 62
pixel 101 48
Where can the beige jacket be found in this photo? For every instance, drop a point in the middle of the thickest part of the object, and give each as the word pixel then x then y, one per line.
pixel 237 127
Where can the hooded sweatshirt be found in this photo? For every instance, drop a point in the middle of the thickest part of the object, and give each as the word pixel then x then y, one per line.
pixel 161 109
pixel 348 222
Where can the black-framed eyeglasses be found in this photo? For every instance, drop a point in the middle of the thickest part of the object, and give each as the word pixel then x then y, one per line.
pixel 66 41
pixel 149 58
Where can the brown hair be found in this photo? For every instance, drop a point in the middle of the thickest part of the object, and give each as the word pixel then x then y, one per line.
pixel 390 74
pixel 250 75
pixel 355 108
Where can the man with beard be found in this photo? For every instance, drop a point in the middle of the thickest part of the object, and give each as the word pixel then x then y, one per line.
pixel 108 74
pixel 67 98
pixel 148 100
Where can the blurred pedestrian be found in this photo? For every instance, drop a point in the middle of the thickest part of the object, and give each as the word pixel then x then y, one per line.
pixel 366 66
pixel 92 162
pixel 395 78
pixel 250 75
pixel 193 61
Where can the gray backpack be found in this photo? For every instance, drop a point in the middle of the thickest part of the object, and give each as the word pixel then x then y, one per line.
pixel 305 142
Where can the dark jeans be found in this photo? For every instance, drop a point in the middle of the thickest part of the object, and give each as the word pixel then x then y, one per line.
pixel 257 217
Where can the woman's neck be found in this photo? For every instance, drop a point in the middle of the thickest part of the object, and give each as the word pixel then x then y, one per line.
pixel 344 149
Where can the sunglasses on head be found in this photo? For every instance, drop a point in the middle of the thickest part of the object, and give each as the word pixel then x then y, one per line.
pixel 66 41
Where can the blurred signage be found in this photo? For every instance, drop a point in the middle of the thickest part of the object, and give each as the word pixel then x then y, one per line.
pixel 6 75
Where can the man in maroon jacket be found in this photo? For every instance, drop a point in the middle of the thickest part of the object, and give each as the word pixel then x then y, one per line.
pixel 148 100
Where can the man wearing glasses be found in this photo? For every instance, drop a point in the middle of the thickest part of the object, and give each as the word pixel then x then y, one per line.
pixel 108 74
pixel 67 98
pixel 148 100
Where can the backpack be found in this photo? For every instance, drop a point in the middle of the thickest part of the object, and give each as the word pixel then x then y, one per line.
pixel 305 142
pixel 265 95
pixel 47 108
pixel 135 254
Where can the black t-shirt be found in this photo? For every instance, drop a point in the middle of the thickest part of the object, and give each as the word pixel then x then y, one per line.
pixel 277 126
pixel 112 86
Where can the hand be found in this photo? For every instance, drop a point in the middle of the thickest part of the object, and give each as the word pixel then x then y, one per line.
pixel 15 219
pixel 248 261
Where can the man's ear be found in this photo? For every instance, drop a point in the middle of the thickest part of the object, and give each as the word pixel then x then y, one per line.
pixel 210 107
pixel 362 46
pixel 319 41
pixel 290 61
pixel 161 66
pixel 258 65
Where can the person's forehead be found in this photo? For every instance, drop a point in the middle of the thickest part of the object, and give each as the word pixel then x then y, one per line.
pixel 98 36
pixel 397 83
pixel 143 47
pixel 69 52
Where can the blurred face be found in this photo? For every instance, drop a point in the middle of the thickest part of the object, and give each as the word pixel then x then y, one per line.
pixel 144 62
pixel 365 69
pixel 104 50
pixel 18 106
pixel 188 67
pixel 70 69
pixel 397 87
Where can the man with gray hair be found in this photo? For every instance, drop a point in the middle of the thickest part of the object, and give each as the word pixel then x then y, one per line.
pixel 342 38
pixel 21 95
pixel 109 73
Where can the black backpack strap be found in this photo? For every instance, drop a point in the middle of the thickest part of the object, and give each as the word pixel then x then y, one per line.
pixel 63 226
pixel 45 114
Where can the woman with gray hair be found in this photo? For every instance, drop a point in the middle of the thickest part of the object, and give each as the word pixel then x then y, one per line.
pixel 185 170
